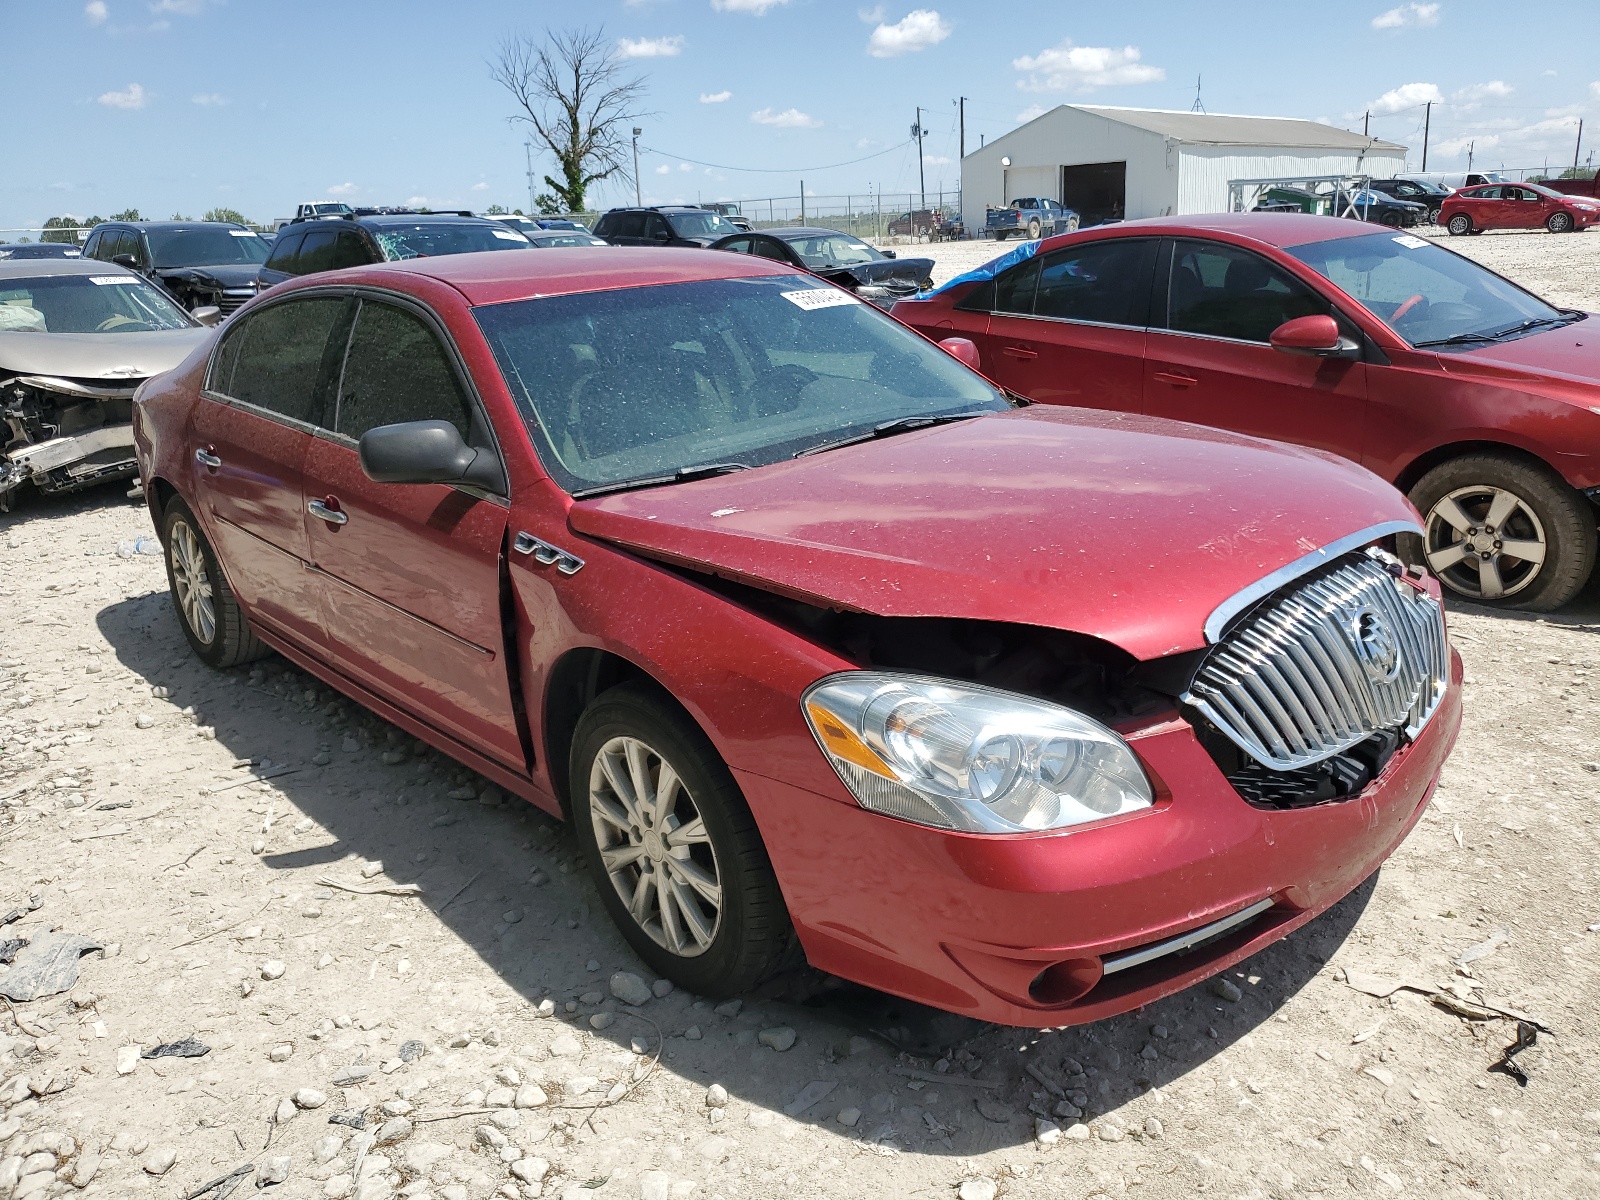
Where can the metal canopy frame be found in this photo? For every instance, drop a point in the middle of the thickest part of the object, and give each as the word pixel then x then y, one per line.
pixel 1343 187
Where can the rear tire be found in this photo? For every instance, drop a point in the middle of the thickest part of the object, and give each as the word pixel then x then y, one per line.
pixel 1034 230
pixel 210 615
pixel 1459 225
pixel 726 926
pixel 1535 509
pixel 1559 222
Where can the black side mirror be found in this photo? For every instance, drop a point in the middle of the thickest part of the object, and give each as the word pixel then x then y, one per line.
pixel 126 260
pixel 887 253
pixel 428 452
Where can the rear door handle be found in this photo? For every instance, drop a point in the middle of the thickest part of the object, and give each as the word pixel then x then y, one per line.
pixel 1176 380
pixel 207 460
pixel 331 515
pixel 1018 352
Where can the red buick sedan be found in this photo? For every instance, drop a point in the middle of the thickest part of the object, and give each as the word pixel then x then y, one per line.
pixel 1516 206
pixel 1030 713
pixel 1469 393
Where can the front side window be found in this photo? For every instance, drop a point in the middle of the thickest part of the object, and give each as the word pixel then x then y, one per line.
pixel 431 239
pixel 119 303
pixel 1228 292
pixel 627 385
pixel 281 364
pixel 206 246
pixel 396 371
pixel 1013 291
pixel 1106 281
pixel 350 250
pixel 316 252
pixel 1425 293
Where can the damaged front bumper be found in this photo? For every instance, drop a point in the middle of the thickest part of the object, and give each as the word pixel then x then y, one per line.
pixel 61 435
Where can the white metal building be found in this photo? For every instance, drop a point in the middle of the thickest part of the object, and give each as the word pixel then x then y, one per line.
pixel 1136 162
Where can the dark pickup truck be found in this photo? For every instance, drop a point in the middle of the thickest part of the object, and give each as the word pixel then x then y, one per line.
pixel 1033 217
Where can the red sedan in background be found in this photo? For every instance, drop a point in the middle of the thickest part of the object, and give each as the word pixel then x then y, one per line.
pixel 1516 206
pixel 1475 397
pixel 1030 713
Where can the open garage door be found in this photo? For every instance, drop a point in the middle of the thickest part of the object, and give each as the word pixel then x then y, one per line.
pixel 1030 182
pixel 1098 191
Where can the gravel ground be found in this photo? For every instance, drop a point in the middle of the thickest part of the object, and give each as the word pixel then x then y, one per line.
pixel 249 915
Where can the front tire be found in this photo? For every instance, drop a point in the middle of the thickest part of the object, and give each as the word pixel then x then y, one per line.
pixel 210 615
pixel 1505 533
pixel 1559 222
pixel 1460 225
pixel 672 846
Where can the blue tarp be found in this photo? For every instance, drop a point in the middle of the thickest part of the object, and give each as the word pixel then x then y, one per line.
pixel 1019 254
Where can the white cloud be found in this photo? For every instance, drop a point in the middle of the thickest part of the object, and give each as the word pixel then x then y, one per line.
pixel 208 99
pixel 662 47
pixel 132 98
pixel 664 169
pixel 1460 145
pixel 1069 68
pixel 789 118
pixel 1594 89
pixel 715 97
pixel 935 160
pixel 416 202
pixel 685 166
pixel 343 189
pixel 1495 89
pixel 1407 16
pixel 1407 95
pixel 480 187
pixel 95 10
pixel 917 30
pixel 756 8
pixel 184 8
pixel 1030 113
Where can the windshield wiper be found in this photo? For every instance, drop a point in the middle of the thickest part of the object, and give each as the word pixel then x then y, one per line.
pixel 1567 317
pixel 888 428
pixel 681 475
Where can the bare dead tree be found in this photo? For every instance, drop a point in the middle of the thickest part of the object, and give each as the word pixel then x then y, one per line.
pixel 572 89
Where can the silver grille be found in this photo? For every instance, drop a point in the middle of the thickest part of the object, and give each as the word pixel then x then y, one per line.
pixel 1310 674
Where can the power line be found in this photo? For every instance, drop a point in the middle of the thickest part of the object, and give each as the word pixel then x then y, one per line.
pixel 775 170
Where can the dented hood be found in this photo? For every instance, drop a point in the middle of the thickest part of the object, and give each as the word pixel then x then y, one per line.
pixel 1128 529
pixel 97 355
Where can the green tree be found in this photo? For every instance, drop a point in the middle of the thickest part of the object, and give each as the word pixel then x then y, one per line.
pixel 1577 173
pixel 549 206
pixel 574 93
pixel 227 214
pixel 65 229
pixel 494 210
pixel 127 214
pixel 179 217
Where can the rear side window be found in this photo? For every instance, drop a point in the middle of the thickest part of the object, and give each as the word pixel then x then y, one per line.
pixel 316 252
pixel 284 251
pixel 396 371
pixel 1224 291
pixel 279 366
pixel 221 379
pixel 1107 281
pixel 626 224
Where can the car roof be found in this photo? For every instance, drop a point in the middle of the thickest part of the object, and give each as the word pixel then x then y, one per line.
pixel 422 219
pixel 785 232
pixel 1278 229
pixel 493 277
pixel 151 225
pixel 15 268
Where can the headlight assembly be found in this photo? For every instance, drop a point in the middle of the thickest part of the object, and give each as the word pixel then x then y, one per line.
pixel 958 756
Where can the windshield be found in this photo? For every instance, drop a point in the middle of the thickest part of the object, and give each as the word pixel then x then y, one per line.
pixel 832 250
pixel 86 304
pixel 207 246
pixel 699 224
pixel 424 241
pixel 639 382
pixel 1425 293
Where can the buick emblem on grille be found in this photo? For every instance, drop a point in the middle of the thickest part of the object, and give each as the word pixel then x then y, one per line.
pixel 1376 645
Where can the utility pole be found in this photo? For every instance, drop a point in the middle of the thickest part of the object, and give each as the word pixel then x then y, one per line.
pixel 1366 124
pixel 922 178
pixel 532 206
pixel 961 107
pixel 1197 106
pixel 1427 124
pixel 1578 148
pixel 1471 146
pixel 802 202
pixel 638 191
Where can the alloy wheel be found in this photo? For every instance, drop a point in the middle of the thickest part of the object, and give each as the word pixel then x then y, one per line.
pixel 192 581
pixel 654 846
pixel 1485 542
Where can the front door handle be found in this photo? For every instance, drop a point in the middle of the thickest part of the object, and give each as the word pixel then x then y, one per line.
pixel 322 512
pixel 1176 380
pixel 1019 352
pixel 207 460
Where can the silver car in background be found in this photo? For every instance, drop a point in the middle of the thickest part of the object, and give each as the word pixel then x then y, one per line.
pixel 76 339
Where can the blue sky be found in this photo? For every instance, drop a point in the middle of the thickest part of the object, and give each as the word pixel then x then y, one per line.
pixel 180 105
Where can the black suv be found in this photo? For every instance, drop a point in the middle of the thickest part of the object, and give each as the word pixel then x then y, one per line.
pixel 199 263
pixel 307 245
pixel 1430 194
pixel 663 225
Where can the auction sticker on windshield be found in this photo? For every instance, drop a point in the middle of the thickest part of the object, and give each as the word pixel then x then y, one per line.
pixel 508 237
pixel 1411 243
pixel 114 279
pixel 819 298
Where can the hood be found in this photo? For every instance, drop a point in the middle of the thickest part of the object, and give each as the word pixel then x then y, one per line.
pixel 1570 354
pixel 906 270
pixel 228 275
pixel 97 355
pixel 1128 529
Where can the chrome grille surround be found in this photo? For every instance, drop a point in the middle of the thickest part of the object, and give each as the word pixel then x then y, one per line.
pixel 1349 652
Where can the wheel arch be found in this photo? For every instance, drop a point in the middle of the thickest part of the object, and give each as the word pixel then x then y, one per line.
pixel 158 493
pixel 1439 455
